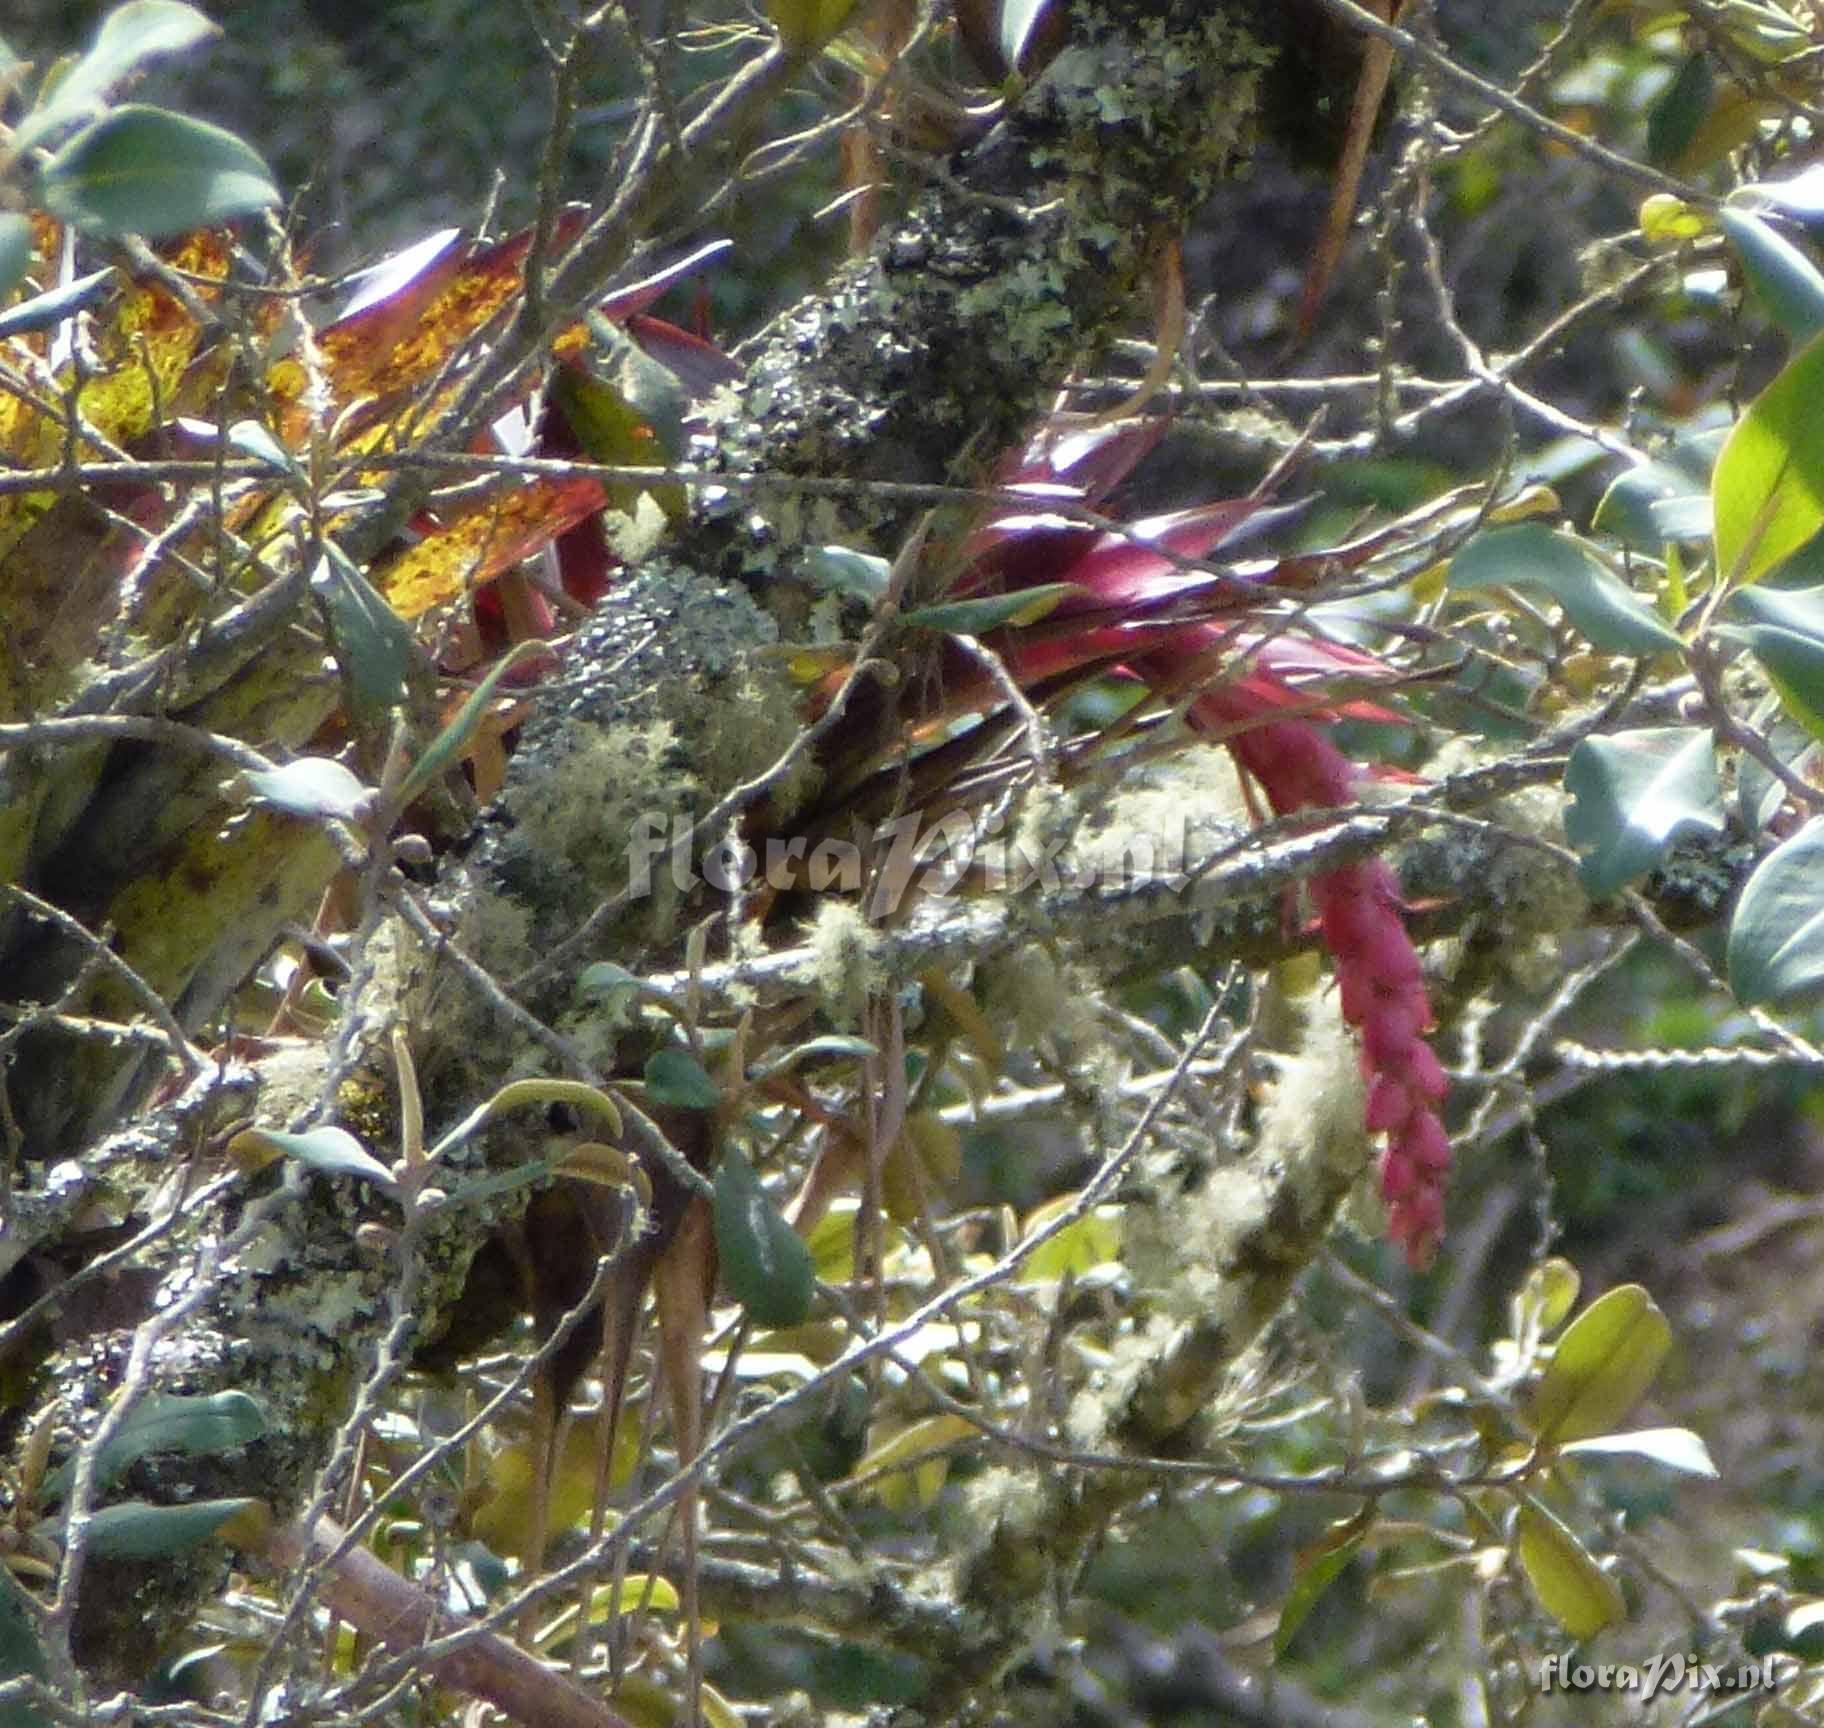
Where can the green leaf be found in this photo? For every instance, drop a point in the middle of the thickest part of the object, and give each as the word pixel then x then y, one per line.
pixel 1797 609
pixel 1676 1448
pixel 1759 792
pixel 1795 668
pixel 677 1078
pixel 992 611
pixel 1651 504
pixel 20 1654
pixel 1776 938
pixel 1601 1367
pixel 606 979
pixel 250 438
pixel 1595 600
pixel 313 786
pixel 610 427
pixel 842 570
pixel 147 171
pixel 130 35
pixel 15 251
pixel 329 1151
pixel 1784 280
pixel 1632 794
pixel 764 1263
pixel 446 748
pixel 836 1044
pixel 1570 1585
pixel 196 1426
pixel 1315 1573
pixel 373 645
pixel 1768 490
pixel 1019 18
pixel 1673 120
pixel 1089 1242
pixel 43 311
pixel 139 1530
pixel 1544 1301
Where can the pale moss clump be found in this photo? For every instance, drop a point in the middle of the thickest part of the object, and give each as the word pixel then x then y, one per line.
pixel 1314 1116
pixel 1198 1255
pixel 845 950
pixel 1100 1408
pixel 1029 995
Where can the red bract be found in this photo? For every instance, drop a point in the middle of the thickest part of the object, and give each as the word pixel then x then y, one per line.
pixel 1141 612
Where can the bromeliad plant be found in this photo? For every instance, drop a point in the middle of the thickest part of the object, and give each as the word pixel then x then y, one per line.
pixel 1161 604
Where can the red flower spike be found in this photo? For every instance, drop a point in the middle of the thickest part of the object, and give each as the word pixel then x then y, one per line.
pixel 1139 613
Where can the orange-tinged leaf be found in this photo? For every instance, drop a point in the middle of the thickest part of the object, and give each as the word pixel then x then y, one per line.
pixel 143 344
pixel 474 548
pixel 397 343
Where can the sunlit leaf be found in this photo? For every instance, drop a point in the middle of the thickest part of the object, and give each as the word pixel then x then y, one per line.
pixel 374 647
pixel 400 334
pixel 1802 195
pixel 1676 1448
pixel 313 786
pixel 838 1045
pixel 764 1261
pixel 1019 18
pixel 1669 221
pixel 637 1591
pixel 443 752
pixel 1633 794
pixel 992 611
pixel 142 170
pixel 471 549
pixel 43 311
pixel 1776 936
pixel 1795 667
pixel 841 570
pixel 1550 1292
pixel 1528 555
pixel 1635 507
pixel 606 980
pixel 1768 489
pixel 130 35
pixel 1080 1247
pixel 1601 1367
pixel 1565 1576
pixel 328 1151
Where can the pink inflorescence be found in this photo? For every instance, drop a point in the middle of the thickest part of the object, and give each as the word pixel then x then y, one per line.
pixel 1138 604
pixel 1377 971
